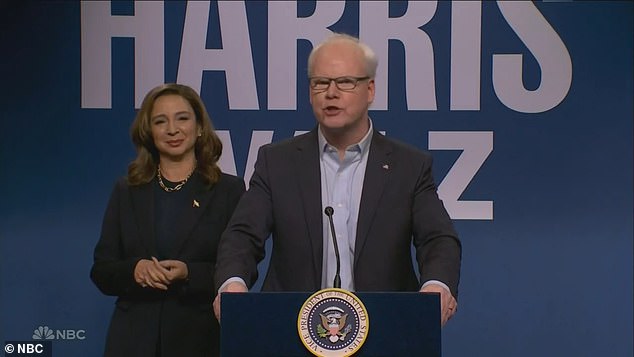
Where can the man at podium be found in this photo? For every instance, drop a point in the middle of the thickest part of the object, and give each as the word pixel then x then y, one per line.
pixel 379 192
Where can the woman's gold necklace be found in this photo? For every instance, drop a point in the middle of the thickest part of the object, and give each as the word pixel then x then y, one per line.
pixel 175 188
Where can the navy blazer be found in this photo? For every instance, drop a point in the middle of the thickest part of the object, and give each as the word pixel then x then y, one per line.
pixel 399 207
pixel 182 317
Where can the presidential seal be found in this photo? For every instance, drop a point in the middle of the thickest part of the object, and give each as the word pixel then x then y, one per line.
pixel 333 322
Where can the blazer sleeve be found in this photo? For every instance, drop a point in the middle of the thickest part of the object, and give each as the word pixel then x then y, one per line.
pixel 242 244
pixel 438 248
pixel 112 272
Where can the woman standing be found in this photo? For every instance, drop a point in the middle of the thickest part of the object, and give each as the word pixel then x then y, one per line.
pixel 160 231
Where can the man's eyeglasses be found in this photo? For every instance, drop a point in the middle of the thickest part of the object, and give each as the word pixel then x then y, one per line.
pixel 348 83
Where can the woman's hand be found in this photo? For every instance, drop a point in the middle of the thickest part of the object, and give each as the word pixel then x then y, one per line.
pixel 174 269
pixel 150 273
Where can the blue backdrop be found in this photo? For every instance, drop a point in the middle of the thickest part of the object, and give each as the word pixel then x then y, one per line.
pixel 527 108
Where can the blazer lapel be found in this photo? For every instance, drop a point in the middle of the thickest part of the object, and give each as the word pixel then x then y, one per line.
pixel 377 173
pixel 308 171
pixel 143 207
pixel 199 202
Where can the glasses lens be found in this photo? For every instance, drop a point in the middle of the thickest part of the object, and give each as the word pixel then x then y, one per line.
pixel 319 83
pixel 346 83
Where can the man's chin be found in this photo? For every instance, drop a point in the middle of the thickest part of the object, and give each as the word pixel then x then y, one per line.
pixel 333 124
pixel 334 129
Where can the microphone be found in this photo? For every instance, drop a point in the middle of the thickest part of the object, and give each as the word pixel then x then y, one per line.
pixel 329 212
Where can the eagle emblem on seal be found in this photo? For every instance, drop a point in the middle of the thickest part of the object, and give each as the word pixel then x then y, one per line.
pixel 333 324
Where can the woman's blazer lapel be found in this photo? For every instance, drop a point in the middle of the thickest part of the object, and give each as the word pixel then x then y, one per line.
pixel 142 200
pixel 200 201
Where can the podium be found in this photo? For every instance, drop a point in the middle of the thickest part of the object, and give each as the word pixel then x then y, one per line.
pixel 265 324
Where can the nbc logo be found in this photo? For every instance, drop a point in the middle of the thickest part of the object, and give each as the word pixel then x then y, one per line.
pixel 46 333
pixel 43 333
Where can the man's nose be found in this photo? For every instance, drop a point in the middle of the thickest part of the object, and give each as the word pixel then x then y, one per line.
pixel 332 90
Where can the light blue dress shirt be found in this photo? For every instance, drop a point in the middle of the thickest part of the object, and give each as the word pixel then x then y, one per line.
pixel 341 186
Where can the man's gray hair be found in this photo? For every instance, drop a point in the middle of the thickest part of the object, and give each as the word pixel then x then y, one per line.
pixel 371 62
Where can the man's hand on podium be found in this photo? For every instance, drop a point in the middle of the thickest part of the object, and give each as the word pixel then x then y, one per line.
pixel 448 304
pixel 233 287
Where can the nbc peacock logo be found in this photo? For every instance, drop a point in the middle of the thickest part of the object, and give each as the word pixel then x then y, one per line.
pixel 43 333
pixel 47 333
